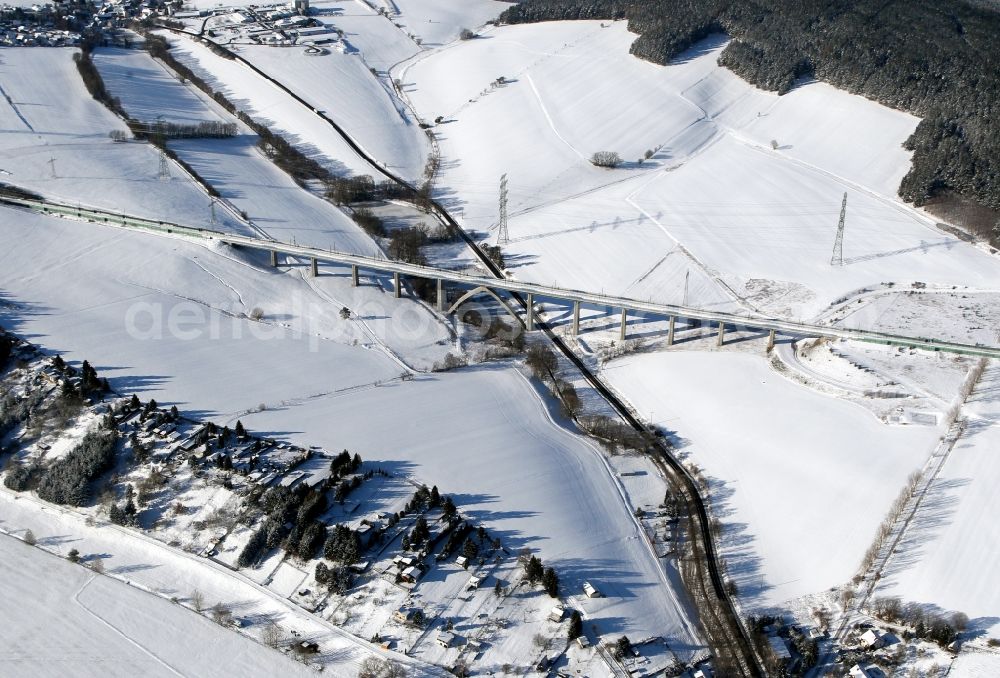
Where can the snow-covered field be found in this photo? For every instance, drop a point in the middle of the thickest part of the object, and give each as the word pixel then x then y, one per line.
pixel 153 311
pixel 343 87
pixel 56 143
pixel 148 91
pixel 265 102
pixel 800 481
pixel 948 559
pixel 437 22
pixel 61 619
pixel 749 221
pixel 485 434
pixel 736 206
pixel 157 570
pixel 246 180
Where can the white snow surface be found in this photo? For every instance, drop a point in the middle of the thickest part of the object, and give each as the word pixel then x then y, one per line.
pixel 266 103
pixel 799 480
pixel 148 91
pixel 438 22
pixel 482 435
pixel 56 143
pixel 948 559
pixel 61 619
pixel 342 86
pixel 754 226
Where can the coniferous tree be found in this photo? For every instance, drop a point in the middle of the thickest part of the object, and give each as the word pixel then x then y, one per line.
pixel 534 569
pixel 550 581
pixel 575 629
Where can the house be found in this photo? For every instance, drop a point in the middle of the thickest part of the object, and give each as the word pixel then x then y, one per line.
pixel 412 574
pixel 556 613
pixel 591 590
pixel 473 584
pixel 872 639
pixel 582 641
pixel 462 561
pixel 858 671
pixel 445 639
pixel 403 561
pixel 404 615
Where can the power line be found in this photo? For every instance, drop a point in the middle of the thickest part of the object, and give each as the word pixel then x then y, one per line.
pixel 838 246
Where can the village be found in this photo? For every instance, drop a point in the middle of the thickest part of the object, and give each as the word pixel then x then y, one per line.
pixel 64 24
pixel 402 567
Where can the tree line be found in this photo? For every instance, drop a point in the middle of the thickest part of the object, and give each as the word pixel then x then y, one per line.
pixel 940 61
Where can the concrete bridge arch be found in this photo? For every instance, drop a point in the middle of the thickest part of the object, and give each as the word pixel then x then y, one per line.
pixel 482 289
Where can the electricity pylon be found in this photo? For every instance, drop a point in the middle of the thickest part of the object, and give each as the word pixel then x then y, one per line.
pixel 838 246
pixel 164 166
pixel 503 237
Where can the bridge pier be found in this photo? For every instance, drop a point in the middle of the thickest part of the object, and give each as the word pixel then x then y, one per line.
pixel 274 259
pixel 622 331
pixel 314 267
pixel 576 318
pixel 396 286
pixel 770 341
pixel 440 295
pixel 530 321
pixel 670 331
pixel 722 334
pixel 354 275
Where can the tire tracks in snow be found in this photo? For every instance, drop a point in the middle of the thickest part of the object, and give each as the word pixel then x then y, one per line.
pixel 146 651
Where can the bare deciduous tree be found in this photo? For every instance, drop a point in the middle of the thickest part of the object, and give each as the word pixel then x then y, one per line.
pixel 373 667
pixel 272 635
pixel 221 614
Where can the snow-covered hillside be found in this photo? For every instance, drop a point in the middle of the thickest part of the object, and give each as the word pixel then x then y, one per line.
pixel 714 197
pixel 62 618
pixel 56 143
pixel 800 481
pixel 162 317
pixel 948 558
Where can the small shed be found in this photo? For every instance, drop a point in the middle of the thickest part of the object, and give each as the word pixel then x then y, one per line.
pixel 462 561
pixel 445 639
pixel 556 613
pixel 591 590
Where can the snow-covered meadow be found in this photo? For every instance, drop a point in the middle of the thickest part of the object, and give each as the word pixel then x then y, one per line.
pixel 754 223
pixel 56 143
pixel 800 481
pixel 485 434
pixel 62 619
pixel 948 559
